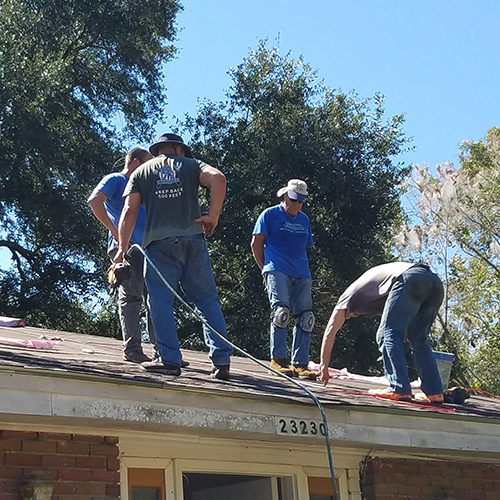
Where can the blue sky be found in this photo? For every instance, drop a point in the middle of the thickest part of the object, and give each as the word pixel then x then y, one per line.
pixel 435 61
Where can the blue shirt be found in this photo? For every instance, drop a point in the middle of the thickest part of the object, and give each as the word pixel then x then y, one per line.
pixel 113 185
pixel 287 239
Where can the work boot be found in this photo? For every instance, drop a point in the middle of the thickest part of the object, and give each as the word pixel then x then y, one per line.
pixel 436 399
pixel 302 372
pixel 135 357
pixel 220 372
pixel 281 365
pixel 388 394
pixel 157 366
pixel 184 363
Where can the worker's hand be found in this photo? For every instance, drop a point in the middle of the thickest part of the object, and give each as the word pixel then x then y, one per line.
pixel 117 274
pixel 324 375
pixel 208 223
pixel 119 257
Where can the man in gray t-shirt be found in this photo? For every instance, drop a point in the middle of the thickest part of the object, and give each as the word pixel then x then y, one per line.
pixel 408 297
pixel 174 244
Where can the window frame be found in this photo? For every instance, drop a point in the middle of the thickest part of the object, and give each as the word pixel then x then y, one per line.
pixel 174 469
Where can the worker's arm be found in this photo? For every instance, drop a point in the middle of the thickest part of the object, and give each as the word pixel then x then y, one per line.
pixel 215 180
pixel 96 201
pixel 127 223
pixel 257 246
pixel 335 323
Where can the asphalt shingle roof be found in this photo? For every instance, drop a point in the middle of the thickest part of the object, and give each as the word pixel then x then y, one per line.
pixel 87 356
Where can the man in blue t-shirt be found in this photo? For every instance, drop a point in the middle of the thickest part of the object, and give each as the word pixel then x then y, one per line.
pixel 279 245
pixel 107 203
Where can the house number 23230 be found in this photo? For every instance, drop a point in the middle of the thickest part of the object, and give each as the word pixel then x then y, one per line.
pixel 293 427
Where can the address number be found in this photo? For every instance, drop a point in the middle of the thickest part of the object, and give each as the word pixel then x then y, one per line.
pixel 290 426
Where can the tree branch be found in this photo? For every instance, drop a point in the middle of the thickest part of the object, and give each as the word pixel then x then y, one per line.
pixel 465 246
pixel 16 248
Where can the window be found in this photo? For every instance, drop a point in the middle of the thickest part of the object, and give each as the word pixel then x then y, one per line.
pixel 321 488
pixel 187 479
pixel 146 484
pixel 203 486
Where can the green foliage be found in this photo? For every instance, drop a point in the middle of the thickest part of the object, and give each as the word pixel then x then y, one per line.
pixel 475 301
pixel 67 69
pixel 458 221
pixel 279 123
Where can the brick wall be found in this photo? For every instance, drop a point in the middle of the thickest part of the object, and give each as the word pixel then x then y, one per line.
pixel 409 479
pixel 80 467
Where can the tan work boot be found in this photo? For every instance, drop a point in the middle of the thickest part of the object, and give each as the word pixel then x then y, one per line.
pixel 437 399
pixel 281 365
pixel 388 394
pixel 302 372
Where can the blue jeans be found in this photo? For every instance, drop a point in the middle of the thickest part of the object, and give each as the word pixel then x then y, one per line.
pixel 184 261
pixel 410 309
pixel 294 293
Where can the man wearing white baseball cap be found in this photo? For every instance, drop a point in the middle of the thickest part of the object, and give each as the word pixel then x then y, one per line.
pixel 279 245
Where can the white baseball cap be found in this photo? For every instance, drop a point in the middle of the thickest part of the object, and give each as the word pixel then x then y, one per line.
pixel 296 190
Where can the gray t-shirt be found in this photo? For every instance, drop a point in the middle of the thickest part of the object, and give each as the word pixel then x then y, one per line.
pixel 367 295
pixel 168 185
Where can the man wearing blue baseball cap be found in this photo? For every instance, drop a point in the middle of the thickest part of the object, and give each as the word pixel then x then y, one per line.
pixel 279 245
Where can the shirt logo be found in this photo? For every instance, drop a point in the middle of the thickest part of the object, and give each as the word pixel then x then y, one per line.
pixel 294 227
pixel 167 173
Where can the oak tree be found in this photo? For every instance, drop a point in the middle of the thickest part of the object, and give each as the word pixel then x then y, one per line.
pixel 277 123
pixel 70 70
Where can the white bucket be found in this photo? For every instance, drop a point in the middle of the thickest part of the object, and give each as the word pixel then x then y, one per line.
pixel 444 362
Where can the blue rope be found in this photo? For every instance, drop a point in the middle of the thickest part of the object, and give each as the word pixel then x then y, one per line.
pixel 255 360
